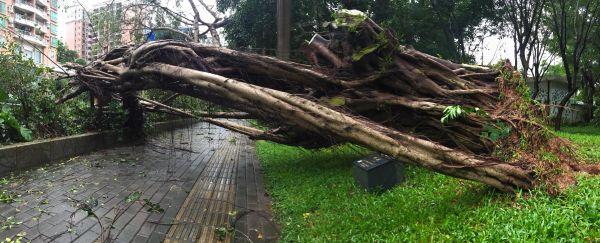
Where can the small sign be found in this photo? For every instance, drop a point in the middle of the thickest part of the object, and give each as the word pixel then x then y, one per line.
pixel 378 172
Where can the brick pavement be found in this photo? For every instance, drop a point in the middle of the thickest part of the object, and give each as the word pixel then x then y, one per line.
pixel 197 184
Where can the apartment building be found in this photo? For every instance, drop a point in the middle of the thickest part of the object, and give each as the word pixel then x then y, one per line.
pixel 92 37
pixel 79 35
pixel 32 24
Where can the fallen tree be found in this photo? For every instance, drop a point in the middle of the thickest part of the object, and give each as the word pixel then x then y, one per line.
pixel 363 87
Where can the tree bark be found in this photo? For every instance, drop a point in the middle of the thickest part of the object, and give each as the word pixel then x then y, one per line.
pixel 389 99
pixel 561 108
pixel 590 91
pixel 196 24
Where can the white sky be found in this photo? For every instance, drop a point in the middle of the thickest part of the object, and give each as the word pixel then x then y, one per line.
pixel 494 48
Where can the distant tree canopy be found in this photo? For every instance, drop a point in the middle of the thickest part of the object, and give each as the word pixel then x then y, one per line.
pixel 64 54
pixel 440 28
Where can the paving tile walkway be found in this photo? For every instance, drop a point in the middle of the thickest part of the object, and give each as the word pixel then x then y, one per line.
pixel 197 184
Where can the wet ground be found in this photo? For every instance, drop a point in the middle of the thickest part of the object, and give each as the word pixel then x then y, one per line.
pixel 198 184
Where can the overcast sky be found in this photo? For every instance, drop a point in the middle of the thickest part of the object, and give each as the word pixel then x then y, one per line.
pixel 494 47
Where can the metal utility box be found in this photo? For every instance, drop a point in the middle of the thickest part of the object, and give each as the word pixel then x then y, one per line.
pixel 378 172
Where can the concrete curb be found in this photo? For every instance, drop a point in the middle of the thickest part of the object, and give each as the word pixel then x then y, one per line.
pixel 21 156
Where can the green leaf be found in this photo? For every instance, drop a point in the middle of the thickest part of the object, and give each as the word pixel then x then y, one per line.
pixel 25 133
pixel 133 197
pixel 337 101
pixel 360 54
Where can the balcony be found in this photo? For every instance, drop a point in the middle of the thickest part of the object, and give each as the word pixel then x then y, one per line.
pixel 33 39
pixel 29 7
pixel 24 20
pixel 41 9
pixel 43 3
pixel 43 13
pixel 25 5
pixel 41 25
pixel 41 30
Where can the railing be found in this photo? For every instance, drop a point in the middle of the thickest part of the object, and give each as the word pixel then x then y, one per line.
pixel 24 20
pixel 41 12
pixel 34 39
pixel 24 5
pixel 23 17
pixel 23 32
pixel 42 2
pixel 29 6
pixel 24 2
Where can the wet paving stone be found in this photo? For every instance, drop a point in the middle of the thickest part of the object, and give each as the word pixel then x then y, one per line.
pixel 180 186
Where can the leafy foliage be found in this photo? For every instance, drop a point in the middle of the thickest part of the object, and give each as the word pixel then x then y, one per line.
pixel 496 131
pixel 456 111
pixel 27 95
pixel 182 102
pixel 7 197
pixel 441 29
pixel 10 126
pixel 28 111
pixel 65 55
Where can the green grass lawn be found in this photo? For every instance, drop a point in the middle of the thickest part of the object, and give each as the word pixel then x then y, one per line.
pixel 587 138
pixel 315 199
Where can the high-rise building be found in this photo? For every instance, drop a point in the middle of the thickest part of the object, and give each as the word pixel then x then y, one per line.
pixel 32 24
pixel 107 29
pixel 79 34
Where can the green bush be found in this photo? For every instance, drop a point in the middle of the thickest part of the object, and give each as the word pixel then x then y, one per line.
pixel 10 128
pixel 30 96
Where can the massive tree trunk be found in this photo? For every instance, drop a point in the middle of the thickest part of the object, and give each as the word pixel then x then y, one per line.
pixel 364 88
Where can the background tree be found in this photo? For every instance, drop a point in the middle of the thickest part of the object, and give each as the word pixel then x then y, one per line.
pixel 591 75
pixel 439 28
pixel 541 61
pixel 525 18
pixel 132 21
pixel 106 22
pixel 458 19
pixel 65 55
pixel 573 24
pixel 255 32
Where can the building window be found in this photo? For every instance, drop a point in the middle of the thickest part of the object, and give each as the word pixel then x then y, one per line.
pixel 53 16
pixel 53 29
pixel 37 56
pixel 2 22
pixel 27 54
pixel 54 42
pixel 52 55
pixel 54 3
pixel 2 7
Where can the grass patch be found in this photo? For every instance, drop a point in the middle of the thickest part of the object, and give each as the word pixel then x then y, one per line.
pixel 315 199
pixel 587 138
